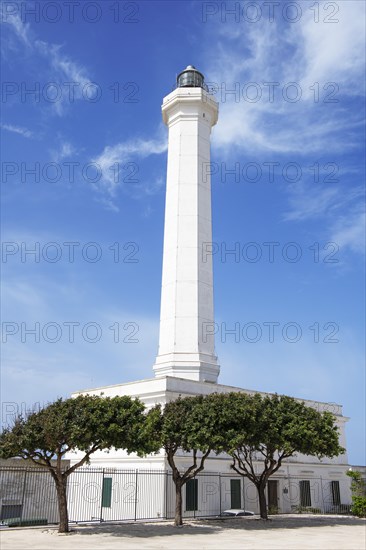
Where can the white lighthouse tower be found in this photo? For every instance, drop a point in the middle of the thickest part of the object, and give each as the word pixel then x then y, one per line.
pixel 186 343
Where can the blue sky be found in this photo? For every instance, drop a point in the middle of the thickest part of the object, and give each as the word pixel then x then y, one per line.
pixel 293 134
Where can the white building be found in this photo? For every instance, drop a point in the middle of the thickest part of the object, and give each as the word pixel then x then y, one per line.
pixel 186 364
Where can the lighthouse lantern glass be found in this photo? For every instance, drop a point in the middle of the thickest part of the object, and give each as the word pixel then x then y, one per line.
pixel 190 78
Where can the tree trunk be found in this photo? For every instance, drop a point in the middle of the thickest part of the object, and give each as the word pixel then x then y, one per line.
pixel 178 505
pixel 261 488
pixel 62 504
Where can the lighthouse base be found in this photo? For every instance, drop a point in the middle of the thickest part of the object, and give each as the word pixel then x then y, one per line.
pixel 193 366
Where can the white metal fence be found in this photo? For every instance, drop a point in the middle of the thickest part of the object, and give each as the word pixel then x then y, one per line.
pixel 97 494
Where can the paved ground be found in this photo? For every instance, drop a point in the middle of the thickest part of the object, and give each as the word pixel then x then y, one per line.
pixel 291 532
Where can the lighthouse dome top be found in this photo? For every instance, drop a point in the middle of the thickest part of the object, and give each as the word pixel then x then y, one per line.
pixel 191 78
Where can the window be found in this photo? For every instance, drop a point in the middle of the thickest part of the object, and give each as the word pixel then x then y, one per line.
pixel 107 492
pixel 9 511
pixel 336 495
pixel 192 495
pixel 235 493
pixel 305 496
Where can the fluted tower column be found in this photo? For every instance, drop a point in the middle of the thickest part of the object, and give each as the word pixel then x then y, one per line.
pixel 186 342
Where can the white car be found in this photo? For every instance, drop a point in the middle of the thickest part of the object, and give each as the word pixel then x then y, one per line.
pixel 233 512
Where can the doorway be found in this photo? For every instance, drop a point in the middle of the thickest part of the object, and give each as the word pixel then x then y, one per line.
pixel 272 493
pixel 235 496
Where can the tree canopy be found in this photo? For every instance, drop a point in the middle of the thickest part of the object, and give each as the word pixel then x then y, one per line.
pixel 187 425
pixel 85 424
pixel 358 488
pixel 259 432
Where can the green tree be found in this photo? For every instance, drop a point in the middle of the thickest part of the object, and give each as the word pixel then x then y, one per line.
pixel 264 431
pixel 85 424
pixel 186 424
pixel 358 488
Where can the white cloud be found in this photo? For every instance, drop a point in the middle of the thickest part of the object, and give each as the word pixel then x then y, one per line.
pixel 69 69
pixel 340 209
pixel 309 203
pixel 114 157
pixel 294 367
pixel 107 203
pixel 349 231
pixel 37 370
pixel 62 69
pixel 154 186
pixel 65 150
pixel 17 130
pixel 334 51
pixel 22 296
pixel 21 30
pixel 39 292
pixel 305 53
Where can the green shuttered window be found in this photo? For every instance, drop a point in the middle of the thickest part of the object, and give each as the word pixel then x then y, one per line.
pixel 336 495
pixel 192 495
pixel 107 492
pixel 305 495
